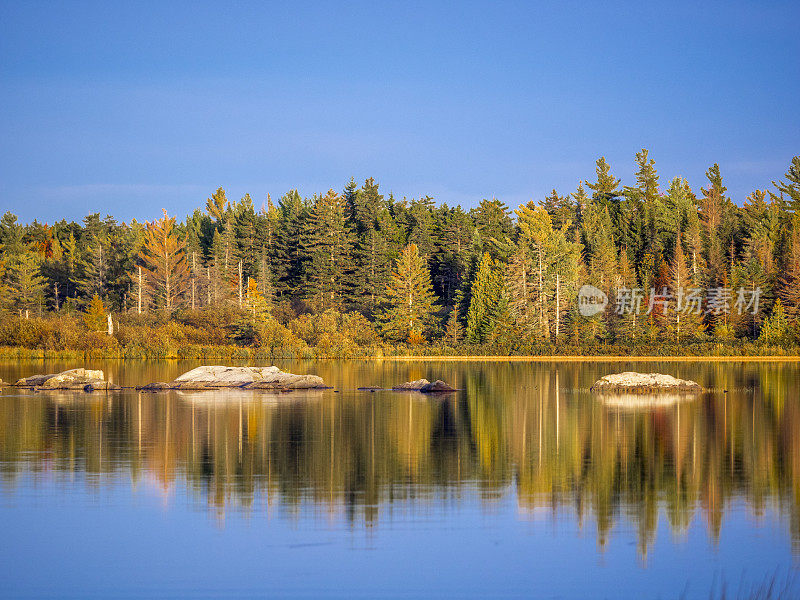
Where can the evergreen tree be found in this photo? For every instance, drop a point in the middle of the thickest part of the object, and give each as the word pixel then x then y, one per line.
pixel 776 330
pixel 789 283
pixel 329 242
pixel 789 190
pixel 454 333
pixel 487 302
pixel 493 223
pixel 27 285
pixel 289 258
pixel 409 298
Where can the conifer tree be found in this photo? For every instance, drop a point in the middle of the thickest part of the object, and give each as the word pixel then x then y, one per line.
pixel 95 315
pixel 789 190
pixel 487 302
pixel 454 333
pixel 93 278
pixel 217 206
pixel 27 285
pixel 683 318
pixel 409 298
pixel 373 251
pixel 712 214
pixel 493 223
pixel 289 257
pixel 776 330
pixel 789 283
pixel 164 261
pixel 329 242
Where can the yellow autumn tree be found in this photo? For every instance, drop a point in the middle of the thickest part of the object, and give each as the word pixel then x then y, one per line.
pixel 95 315
pixel 163 258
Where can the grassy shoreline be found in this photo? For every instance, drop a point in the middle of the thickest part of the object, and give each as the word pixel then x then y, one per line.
pixel 238 353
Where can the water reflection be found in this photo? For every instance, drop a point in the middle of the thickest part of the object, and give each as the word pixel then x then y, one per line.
pixel 531 430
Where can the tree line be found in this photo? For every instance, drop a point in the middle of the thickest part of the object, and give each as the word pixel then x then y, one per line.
pixel 415 272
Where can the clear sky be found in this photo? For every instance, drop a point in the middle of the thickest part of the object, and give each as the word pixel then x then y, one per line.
pixel 125 108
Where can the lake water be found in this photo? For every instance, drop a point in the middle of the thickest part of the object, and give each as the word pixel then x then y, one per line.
pixel 522 484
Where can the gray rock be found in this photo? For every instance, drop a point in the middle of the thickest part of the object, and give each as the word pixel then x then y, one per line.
pixel 413 385
pixel 72 379
pixel 437 386
pixel 158 386
pixel 644 383
pixel 251 378
pixel 33 380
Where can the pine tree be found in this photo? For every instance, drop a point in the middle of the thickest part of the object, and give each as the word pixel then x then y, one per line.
pixel 789 283
pixel 93 268
pixel 27 285
pixel 776 330
pixel 598 233
pixel 789 190
pixel 289 258
pixel 487 301
pixel 217 206
pixel 95 315
pixel 409 298
pixel 373 250
pixel 164 261
pixel 329 252
pixel 493 222
pixel 607 196
pixel 712 214
pixel 454 333
pixel 683 318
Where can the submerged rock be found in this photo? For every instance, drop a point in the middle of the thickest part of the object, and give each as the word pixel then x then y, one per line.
pixel 251 378
pixel 72 379
pixel 644 383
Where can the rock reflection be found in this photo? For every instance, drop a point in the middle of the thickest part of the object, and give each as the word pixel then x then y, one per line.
pixel 530 431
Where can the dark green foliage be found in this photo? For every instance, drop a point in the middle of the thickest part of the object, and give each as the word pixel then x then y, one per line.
pixel 314 267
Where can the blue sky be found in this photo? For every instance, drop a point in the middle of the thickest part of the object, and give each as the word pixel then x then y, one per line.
pixel 125 108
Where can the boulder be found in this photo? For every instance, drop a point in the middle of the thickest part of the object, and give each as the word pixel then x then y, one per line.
pixel 436 387
pixel 413 385
pixel 33 380
pixel 644 383
pixel 158 386
pixel 251 378
pixel 73 379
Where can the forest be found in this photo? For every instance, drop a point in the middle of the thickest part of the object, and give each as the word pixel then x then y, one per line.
pixel 361 273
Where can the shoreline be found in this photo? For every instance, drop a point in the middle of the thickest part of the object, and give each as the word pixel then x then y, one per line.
pixel 431 358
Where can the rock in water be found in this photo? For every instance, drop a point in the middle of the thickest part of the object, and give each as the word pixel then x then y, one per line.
pixel 425 386
pixel 158 386
pixel 73 379
pixel 437 386
pixel 644 383
pixel 251 378
pixel 413 385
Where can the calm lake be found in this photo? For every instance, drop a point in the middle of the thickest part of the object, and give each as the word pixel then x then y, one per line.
pixel 522 484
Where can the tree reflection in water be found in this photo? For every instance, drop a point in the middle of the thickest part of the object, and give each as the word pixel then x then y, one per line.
pixel 531 430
